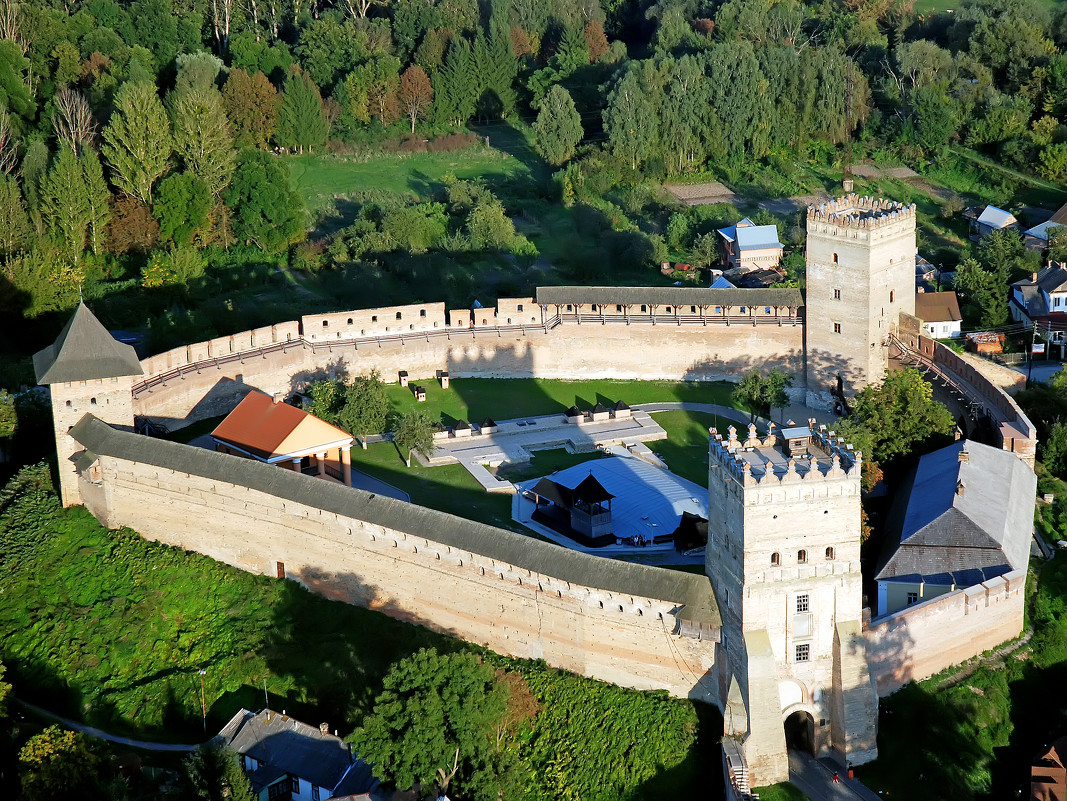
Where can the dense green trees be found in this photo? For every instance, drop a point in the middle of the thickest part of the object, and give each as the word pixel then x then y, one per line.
pixel 759 393
pixel 436 723
pixel 301 123
pixel 267 212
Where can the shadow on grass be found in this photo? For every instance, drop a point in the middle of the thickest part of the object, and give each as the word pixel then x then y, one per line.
pixel 699 775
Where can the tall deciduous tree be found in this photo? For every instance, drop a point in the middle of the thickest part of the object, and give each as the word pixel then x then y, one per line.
pixel 14 223
pixel 558 129
pixel 301 121
pixel 183 203
pixel 65 204
pixel 137 141
pixel 58 764
pixel 202 137
pixel 901 414
pixel 366 407
pixel 415 94
pixel 251 103
pixel 630 120
pixel 98 200
pixel 759 393
pixel 414 432
pixel 72 120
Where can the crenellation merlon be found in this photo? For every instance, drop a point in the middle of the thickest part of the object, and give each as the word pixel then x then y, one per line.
pixel 855 211
pixel 756 461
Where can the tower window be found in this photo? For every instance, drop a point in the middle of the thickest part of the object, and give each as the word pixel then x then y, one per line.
pixel 890 295
pixel 776 559
pixel 803 653
pixel 618 307
pixel 399 316
pixel 835 258
pixel 68 404
pixel 350 321
pixel 92 401
pixel 837 294
pixel 837 328
pixel 830 552
pixel 644 308
pixel 422 312
pixel 374 318
pixel 325 323
pixel 802 603
pixel 802 557
pixel 519 307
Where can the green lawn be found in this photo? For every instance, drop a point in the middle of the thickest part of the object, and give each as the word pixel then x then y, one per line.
pixel 323 180
pixel 686 448
pixel 448 488
pixel 545 463
pixel 780 792
pixel 475 399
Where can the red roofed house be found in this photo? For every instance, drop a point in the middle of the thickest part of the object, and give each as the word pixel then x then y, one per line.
pixel 940 313
pixel 1048 777
pixel 267 430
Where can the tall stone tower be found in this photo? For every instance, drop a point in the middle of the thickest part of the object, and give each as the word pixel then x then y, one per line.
pixel 860 277
pixel 87 371
pixel 783 554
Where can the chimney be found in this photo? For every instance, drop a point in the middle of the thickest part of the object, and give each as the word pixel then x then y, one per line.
pixel 964 457
pixel 278 397
pixel 1033 277
pixel 960 487
pixel 324 728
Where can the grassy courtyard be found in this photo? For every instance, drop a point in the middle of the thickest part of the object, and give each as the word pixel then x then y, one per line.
pixel 474 399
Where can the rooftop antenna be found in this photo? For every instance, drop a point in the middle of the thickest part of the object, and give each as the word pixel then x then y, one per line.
pixel 847 182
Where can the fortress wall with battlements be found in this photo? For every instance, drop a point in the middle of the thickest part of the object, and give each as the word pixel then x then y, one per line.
pixel 216 374
pixel 922 640
pixel 619 637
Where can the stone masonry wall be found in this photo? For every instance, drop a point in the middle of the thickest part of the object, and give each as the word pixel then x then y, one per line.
pixel 924 639
pixel 682 352
pixel 619 638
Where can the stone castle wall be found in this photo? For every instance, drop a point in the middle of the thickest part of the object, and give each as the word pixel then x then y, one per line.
pixel 216 374
pixel 618 636
pixel 924 639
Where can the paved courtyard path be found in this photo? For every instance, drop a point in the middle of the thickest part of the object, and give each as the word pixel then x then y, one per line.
pixel 815 778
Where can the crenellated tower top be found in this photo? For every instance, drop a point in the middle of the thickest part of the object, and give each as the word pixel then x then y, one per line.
pixel 799 453
pixel 858 211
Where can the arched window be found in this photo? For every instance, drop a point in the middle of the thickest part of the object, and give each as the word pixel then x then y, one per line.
pixel 802 557
pixel 830 552
pixel 776 559
pixel 68 404
pixel 399 316
pixel 835 258
pixel 92 401
pixel 350 321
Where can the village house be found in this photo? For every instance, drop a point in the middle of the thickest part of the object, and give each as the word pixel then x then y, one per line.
pixel 940 314
pixel 286 760
pixel 964 516
pixel 267 430
pixel 1041 299
pixel 987 219
pixel 748 246
pixel 1048 776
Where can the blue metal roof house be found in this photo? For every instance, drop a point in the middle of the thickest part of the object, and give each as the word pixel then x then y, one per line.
pixel 964 515
pixel 750 246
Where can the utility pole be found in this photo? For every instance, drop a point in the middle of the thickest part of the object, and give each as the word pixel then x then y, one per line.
pixel 203 698
pixel 1030 361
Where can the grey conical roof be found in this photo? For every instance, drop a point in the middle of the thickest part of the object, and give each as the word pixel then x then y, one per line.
pixel 84 351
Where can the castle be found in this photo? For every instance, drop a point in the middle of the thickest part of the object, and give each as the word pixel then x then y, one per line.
pixel 775 635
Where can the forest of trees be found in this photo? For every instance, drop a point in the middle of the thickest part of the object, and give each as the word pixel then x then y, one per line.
pixel 139 140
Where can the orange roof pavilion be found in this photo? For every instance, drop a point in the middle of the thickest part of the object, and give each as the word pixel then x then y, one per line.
pixel 267 430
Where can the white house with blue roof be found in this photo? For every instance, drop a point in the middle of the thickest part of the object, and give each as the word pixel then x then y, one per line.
pixel 964 515
pixel 748 246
